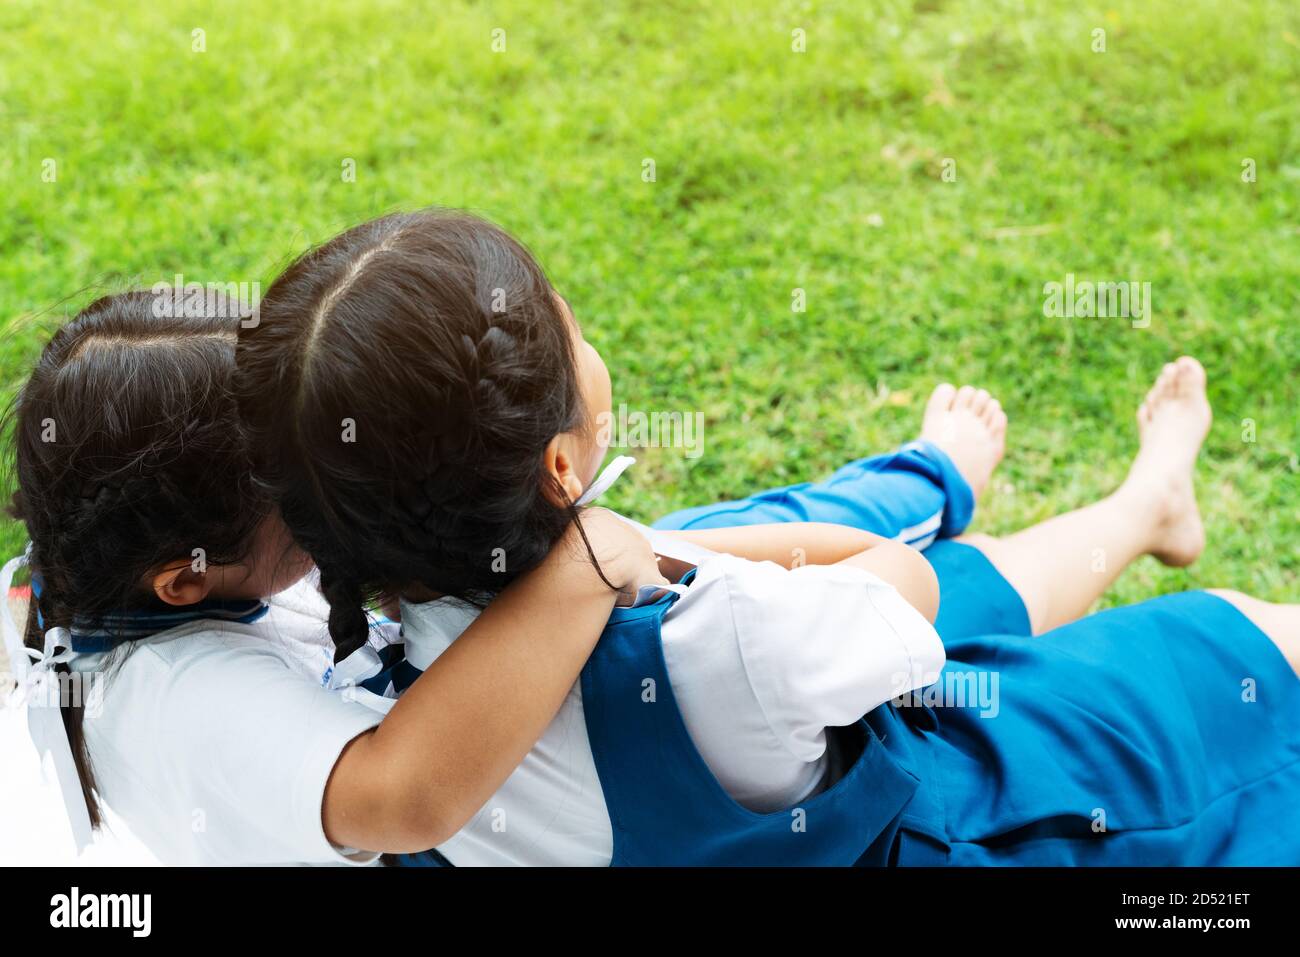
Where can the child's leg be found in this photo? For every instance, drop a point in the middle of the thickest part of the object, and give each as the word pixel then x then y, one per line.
pixel 925 490
pixel 1061 566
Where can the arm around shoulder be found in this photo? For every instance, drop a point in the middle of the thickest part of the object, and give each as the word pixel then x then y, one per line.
pixel 467 722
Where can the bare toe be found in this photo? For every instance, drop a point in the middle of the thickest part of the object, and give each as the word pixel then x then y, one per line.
pixel 991 410
pixel 941 398
pixel 968 424
pixel 999 425
pixel 1189 375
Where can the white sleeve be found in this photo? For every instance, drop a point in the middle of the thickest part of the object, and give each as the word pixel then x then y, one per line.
pixel 822 644
pixel 250 745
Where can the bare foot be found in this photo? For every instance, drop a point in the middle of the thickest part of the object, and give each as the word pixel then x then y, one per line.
pixel 1173 421
pixel 970 426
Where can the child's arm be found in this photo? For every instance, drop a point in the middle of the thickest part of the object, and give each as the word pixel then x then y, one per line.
pixel 907 570
pixel 466 723
pixel 791 544
pixel 788 544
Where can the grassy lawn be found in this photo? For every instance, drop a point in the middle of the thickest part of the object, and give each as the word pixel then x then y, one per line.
pixel 774 170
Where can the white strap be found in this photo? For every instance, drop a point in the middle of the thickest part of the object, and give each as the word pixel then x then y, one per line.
pixel 605 479
pixel 39 693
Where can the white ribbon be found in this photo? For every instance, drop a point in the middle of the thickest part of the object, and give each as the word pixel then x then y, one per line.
pixel 663 544
pixel 38 691
pixel 605 479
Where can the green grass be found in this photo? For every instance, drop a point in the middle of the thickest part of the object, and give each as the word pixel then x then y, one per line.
pixel 775 170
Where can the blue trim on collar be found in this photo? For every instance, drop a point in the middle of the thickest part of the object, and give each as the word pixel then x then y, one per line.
pixel 94 637
pixel 103 634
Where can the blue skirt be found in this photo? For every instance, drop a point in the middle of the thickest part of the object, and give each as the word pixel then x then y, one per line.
pixel 1162 733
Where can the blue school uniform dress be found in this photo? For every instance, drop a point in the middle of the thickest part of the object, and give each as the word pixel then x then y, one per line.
pixel 1164 733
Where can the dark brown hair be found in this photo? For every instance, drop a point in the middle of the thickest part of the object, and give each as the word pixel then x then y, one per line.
pixel 128 454
pixel 401 387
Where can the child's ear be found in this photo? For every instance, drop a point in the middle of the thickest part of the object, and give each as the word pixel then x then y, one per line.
pixel 560 461
pixel 180 584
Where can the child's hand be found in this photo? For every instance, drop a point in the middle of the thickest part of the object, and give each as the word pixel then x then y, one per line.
pixel 623 553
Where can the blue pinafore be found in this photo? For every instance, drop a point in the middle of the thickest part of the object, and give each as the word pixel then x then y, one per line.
pixel 666 807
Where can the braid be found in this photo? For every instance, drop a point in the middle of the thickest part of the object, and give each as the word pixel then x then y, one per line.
pixel 348 622
pixel 41 610
pixel 474 502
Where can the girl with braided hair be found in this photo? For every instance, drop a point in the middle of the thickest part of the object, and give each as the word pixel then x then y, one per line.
pixel 221 729
pixel 424 410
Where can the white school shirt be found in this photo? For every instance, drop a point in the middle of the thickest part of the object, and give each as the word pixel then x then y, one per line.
pixel 213 740
pixel 762 661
